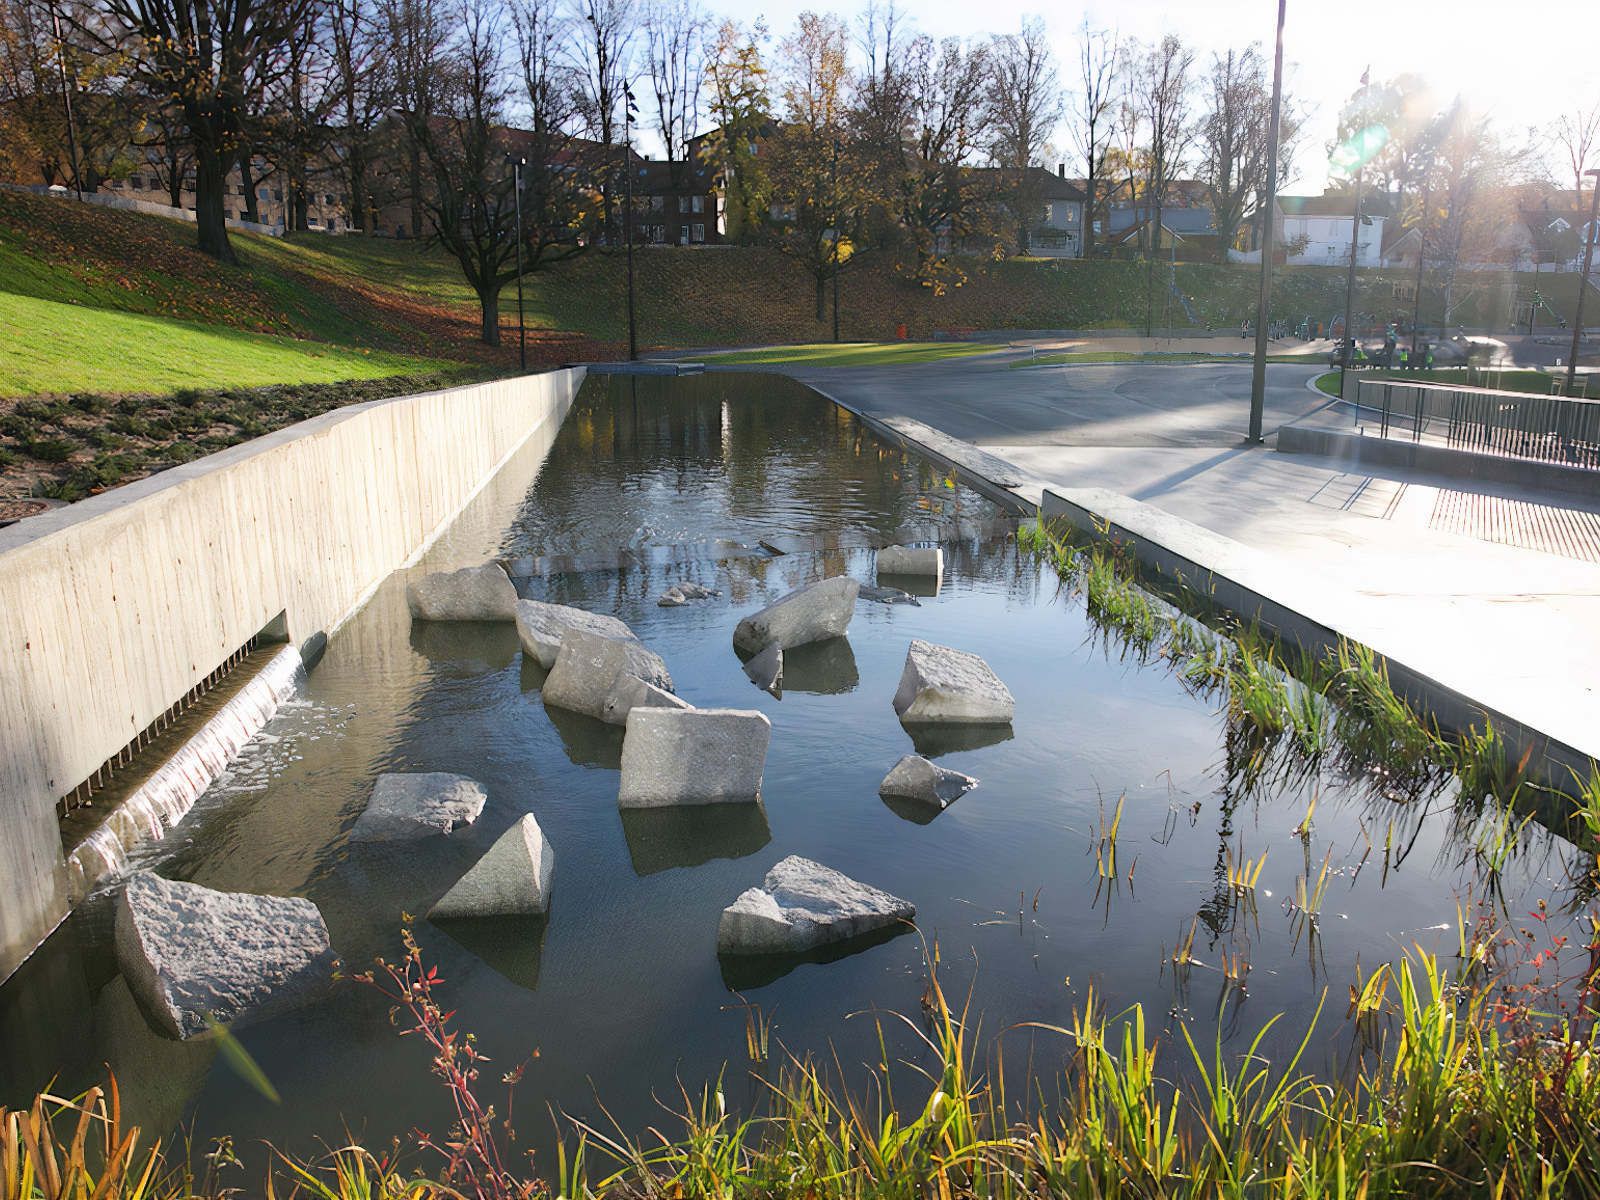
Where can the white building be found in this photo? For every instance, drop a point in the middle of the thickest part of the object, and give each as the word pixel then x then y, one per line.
pixel 1316 231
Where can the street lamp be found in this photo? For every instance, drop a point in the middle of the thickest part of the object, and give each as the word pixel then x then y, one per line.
pixel 516 190
pixel 835 239
pixel 1258 372
pixel 629 111
pixel 66 100
pixel 1583 279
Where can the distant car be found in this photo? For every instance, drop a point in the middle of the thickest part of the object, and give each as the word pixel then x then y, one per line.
pixel 1357 359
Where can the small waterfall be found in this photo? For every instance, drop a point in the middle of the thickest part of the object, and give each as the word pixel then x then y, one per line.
pixel 168 795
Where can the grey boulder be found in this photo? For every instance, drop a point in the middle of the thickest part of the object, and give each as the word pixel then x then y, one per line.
pixel 683 593
pixel 766 669
pixel 910 560
pixel 512 879
pixel 540 628
pixel 405 806
pixel 189 952
pixel 802 905
pixel 941 685
pixel 629 692
pixel 692 756
pixel 589 666
pixel 915 778
pixel 483 593
pixel 812 613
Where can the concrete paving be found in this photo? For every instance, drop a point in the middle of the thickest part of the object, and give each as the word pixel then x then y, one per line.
pixel 1491 589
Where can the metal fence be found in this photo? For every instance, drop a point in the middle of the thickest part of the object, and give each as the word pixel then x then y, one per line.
pixel 1558 429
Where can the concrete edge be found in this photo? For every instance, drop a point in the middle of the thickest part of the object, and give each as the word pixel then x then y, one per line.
pixel 1237 578
pixel 1356 447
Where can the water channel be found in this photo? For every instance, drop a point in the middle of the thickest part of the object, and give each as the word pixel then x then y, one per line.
pixel 621 990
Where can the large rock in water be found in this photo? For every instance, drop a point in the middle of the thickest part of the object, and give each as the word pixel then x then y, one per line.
pixel 813 613
pixel 803 905
pixel 588 668
pixel 540 628
pixel 766 669
pixel 405 806
pixel 629 692
pixel 943 685
pixel 483 593
pixel 693 756
pixel 910 560
pixel 187 952
pixel 915 778
pixel 512 879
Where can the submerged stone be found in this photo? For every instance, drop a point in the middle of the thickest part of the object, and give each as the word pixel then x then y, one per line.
pixel 588 668
pixel 629 692
pixel 888 595
pixel 680 594
pixel 483 593
pixel 910 560
pixel 693 756
pixel 944 685
pixel 808 614
pixel 189 952
pixel 915 778
pixel 540 627
pixel 420 804
pixel 512 879
pixel 802 905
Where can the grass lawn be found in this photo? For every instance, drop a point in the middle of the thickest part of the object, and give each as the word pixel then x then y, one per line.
pixel 1126 356
pixel 856 354
pixel 54 347
pixel 1538 383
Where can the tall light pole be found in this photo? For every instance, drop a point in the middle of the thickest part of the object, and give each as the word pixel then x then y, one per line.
pixel 1422 251
pixel 1583 279
pixel 628 111
pixel 66 100
pixel 1350 280
pixel 516 189
pixel 835 239
pixel 1258 373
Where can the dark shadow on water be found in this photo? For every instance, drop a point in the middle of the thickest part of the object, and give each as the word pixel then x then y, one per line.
pixel 917 585
pixel 918 812
pixel 533 675
pixel 743 972
pixel 824 668
pixel 466 647
pixel 588 741
pixel 660 839
pixel 931 741
pixel 513 946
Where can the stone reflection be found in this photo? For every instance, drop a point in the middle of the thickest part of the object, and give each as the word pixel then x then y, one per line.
pixel 932 741
pixel 915 585
pixel 512 946
pixel 588 741
pixel 463 649
pixel 660 839
pixel 824 668
pixel 745 972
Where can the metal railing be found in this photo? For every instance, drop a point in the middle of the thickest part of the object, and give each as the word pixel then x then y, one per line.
pixel 1556 429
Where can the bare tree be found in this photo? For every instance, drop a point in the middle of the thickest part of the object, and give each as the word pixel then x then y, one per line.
pixel 1233 140
pixel 361 97
pixel 675 41
pixel 604 49
pixel 1160 91
pixel 298 106
pixel 881 108
pixel 1577 132
pixel 421 80
pixel 1023 105
pixel 1093 114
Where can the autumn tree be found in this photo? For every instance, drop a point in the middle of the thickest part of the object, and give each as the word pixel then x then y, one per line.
pixel 1233 140
pixel 739 103
pixel 1022 106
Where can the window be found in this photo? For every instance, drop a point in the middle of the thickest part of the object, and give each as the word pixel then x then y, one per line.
pixel 333 224
pixel 683 204
pixel 697 204
pixel 243 215
pixel 754 149
pixel 277 193
pixel 658 204
pixel 137 183
pixel 261 194
pixel 327 199
pixel 683 235
pixel 697 233
pixel 311 220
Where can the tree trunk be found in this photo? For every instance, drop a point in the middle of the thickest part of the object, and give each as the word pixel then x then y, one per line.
pixel 298 191
pixel 174 175
pixel 360 217
pixel 1087 247
pixel 1150 280
pixel 490 302
pixel 822 312
pixel 252 207
pixel 210 179
pixel 414 153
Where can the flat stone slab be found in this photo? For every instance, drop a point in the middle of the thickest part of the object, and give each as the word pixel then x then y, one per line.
pixel 589 667
pixel 943 685
pixel 693 756
pixel 803 905
pixel 540 628
pixel 812 613
pixel 188 951
pixel 766 669
pixel 421 804
pixel 915 778
pixel 512 879
pixel 910 560
pixel 629 692
pixel 483 593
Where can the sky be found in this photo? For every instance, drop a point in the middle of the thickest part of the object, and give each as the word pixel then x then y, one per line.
pixel 1523 63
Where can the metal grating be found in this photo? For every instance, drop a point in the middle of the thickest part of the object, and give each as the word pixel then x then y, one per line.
pixel 1362 495
pixel 1564 531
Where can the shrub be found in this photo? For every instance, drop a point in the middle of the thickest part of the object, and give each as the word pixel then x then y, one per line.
pixel 52 450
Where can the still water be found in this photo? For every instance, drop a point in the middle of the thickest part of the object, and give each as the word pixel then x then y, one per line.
pixel 620 990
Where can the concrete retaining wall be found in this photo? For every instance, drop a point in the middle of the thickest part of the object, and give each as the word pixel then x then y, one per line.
pixel 113 608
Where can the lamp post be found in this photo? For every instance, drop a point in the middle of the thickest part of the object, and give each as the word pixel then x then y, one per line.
pixel 516 191
pixel 628 111
pixel 835 239
pixel 1258 373
pixel 1583 279
pixel 66 100
pixel 1422 251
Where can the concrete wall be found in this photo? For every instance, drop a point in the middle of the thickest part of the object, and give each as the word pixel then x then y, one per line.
pixel 113 608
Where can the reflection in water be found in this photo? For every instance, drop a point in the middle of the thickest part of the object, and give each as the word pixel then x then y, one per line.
pixel 511 945
pixel 660 839
pixel 914 585
pixel 931 741
pixel 466 648
pixel 746 972
pixel 588 741
pixel 907 808
pixel 825 668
